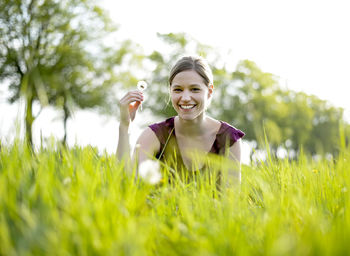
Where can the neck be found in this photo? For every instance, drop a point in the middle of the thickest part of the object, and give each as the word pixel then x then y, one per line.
pixel 191 127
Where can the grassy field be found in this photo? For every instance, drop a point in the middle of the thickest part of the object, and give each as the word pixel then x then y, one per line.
pixel 75 202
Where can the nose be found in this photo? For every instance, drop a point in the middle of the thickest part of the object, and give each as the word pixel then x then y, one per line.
pixel 186 95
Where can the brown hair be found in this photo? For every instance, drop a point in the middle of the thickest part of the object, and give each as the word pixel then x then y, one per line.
pixel 197 64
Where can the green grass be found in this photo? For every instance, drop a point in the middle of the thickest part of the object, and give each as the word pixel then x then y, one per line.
pixel 74 202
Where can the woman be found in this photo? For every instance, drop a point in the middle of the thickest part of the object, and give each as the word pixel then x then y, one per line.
pixel 191 89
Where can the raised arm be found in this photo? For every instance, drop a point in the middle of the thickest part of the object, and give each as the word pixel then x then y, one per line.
pixel 128 107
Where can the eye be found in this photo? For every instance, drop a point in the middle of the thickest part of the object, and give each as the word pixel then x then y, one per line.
pixel 177 90
pixel 195 89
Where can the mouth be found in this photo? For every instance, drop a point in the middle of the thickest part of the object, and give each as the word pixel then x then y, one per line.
pixel 187 107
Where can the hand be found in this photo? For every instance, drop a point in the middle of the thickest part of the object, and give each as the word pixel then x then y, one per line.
pixel 129 105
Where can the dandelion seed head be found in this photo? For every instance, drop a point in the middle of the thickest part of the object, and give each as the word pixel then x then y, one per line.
pixel 141 86
pixel 149 171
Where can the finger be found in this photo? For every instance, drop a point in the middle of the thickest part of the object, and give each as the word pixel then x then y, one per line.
pixel 132 109
pixel 137 104
pixel 130 100
pixel 132 93
pixel 126 97
pixel 132 115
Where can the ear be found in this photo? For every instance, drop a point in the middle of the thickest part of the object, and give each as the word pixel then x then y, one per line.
pixel 210 90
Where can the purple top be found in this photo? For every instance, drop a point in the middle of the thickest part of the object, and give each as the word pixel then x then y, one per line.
pixel 225 137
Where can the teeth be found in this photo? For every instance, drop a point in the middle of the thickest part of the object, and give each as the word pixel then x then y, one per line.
pixel 187 107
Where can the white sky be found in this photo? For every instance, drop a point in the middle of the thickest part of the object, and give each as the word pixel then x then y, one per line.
pixel 305 42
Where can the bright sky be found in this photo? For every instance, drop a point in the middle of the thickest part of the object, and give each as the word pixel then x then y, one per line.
pixel 304 42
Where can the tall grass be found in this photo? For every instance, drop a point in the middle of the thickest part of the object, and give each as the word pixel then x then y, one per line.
pixel 75 202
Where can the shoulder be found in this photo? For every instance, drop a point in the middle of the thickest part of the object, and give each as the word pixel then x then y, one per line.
pixel 148 143
pixel 162 129
pixel 147 135
pixel 229 134
pixel 233 140
pixel 161 125
pixel 152 139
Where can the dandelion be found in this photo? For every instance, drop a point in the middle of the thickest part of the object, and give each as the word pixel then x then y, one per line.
pixel 149 171
pixel 315 171
pixel 141 86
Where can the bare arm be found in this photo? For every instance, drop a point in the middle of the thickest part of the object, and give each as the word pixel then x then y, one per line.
pixel 128 107
pixel 234 173
pixel 123 149
pixel 147 146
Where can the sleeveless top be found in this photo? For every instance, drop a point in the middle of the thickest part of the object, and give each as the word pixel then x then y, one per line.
pixel 169 151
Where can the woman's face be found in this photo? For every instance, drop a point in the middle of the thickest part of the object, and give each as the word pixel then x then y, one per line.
pixel 189 94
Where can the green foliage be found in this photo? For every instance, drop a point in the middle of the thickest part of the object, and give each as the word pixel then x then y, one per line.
pixel 256 102
pixel 51 52
pixel 75 202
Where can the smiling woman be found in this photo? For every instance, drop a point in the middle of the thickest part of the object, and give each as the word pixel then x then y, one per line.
pixel 174 140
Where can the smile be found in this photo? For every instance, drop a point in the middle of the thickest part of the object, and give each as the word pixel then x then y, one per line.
pixel 187 106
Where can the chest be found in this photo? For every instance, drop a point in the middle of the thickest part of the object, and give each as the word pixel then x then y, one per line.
pixel 192 148
pixel 202 144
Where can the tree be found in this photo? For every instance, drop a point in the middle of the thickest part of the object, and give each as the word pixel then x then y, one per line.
pixel 326 123
pixel 247 97
pixel 51 53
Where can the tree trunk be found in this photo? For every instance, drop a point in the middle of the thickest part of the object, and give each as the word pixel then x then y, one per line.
pixel 65 119
pixel 29 119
